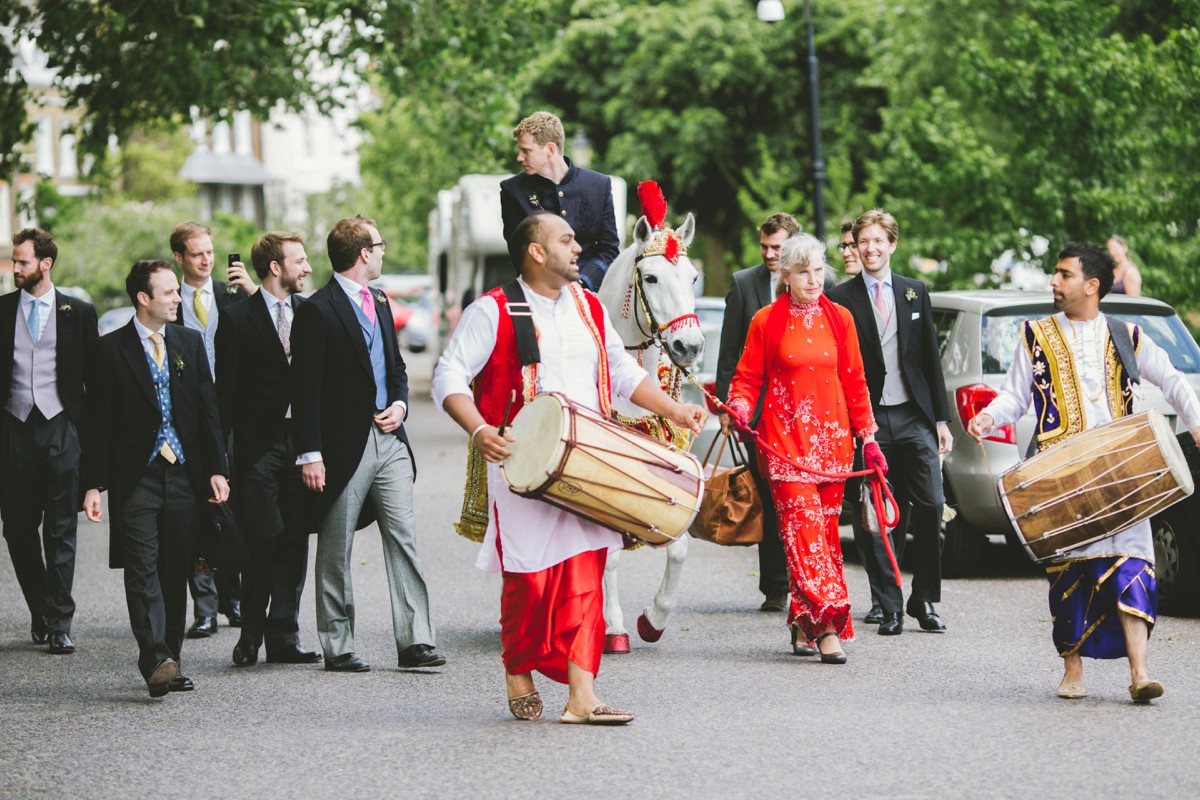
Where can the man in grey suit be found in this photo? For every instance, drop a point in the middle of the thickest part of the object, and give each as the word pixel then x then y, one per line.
pixel 750 290
pixel 903 365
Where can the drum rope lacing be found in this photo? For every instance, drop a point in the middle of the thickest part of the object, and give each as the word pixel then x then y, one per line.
pixel 881 493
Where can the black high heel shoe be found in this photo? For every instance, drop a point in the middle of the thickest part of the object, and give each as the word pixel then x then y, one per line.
pixel 799 646
pixel 831 658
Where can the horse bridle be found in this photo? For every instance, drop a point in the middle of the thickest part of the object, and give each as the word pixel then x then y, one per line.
pixel 652 330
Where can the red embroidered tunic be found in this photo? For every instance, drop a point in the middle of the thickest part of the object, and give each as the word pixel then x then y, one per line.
pixel 814 401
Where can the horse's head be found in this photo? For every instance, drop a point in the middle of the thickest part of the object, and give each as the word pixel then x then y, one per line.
pixel 665 278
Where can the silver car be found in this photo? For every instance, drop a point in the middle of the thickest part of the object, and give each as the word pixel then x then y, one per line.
pixel 978 332
pixel 711 312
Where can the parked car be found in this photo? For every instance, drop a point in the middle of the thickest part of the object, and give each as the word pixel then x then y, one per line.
pixel 978 333
pixel 114 318
pixel 419 331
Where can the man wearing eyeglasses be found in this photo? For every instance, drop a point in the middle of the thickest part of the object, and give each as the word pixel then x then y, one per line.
pixel 848 250
pixel 349 401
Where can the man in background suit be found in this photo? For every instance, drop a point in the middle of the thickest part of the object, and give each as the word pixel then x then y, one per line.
pixel 750 290
pixel 254 357
pixel 155 445
pixel 46 341
pixel 908 395
pixel 550 182
pixel 349 400
pixel 202 297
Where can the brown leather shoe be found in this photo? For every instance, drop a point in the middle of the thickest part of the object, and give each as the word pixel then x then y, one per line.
pixel 159 682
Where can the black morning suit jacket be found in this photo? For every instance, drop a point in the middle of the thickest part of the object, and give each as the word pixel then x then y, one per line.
pixel 749 290
pixel 584 199
pixel 333 390
pixel 76 321
pixel 124 419
pixel 919 357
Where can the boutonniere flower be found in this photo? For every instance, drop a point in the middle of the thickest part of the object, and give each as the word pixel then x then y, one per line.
pixel 179 365
pixel 533 200
pixel 65 308
pixel 232 288
pixel 381 298
pixel 909 294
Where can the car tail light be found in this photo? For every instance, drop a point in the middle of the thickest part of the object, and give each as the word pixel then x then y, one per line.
pixel 973 399
pixel 711 388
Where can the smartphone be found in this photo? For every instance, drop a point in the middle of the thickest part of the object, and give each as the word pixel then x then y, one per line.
pixel 232 258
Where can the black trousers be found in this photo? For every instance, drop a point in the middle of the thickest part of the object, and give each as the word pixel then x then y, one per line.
pixel 160 521
pixel 270 512
pixel 219 587
pixel 772 564
pixel 41 489
pixel 909 444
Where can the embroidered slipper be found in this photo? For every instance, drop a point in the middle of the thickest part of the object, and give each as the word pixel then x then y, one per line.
pixel 1075 690
pixel 527 706
pixel 600 715
pixel 1145 691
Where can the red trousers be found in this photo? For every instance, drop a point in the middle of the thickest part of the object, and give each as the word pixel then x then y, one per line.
pixel 808 528
pixel 553 615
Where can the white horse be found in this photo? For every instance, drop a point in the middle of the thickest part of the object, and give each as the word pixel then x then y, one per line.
pixel 652 304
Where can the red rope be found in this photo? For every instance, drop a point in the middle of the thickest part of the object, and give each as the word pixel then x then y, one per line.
pixel 879 487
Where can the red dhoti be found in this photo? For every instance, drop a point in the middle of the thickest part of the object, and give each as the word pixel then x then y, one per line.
pixel 554 615
pixel 808 528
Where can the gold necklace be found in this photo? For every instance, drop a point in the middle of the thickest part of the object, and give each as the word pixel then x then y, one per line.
pixel 1075 338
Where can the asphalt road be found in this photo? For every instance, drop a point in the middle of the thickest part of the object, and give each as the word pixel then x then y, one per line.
pixel 723 708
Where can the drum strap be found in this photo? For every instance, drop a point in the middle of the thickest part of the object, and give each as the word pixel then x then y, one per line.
pixel 1123 344
pixel 522 321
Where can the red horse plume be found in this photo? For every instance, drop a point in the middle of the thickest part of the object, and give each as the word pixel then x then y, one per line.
pixel 654 205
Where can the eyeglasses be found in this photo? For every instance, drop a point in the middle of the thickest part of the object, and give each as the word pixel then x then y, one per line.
pixel 381 245
pixel 844 246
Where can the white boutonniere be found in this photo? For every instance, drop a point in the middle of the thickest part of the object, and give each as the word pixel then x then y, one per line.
pixel 381 298
pixel 65 308
pixel 533 200
pixel 232 288
pixel 179 365
pixel 909 294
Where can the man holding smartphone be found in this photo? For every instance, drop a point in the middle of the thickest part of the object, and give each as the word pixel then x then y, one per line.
pixel 203 297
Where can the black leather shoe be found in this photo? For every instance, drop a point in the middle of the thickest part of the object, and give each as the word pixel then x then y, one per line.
pixel 39 631
pixel 160 679
pixel 775 601
pixel 202 628
pixel 61 644
pixel 233 613
pixel 875 615
pixel 347 662
pixel 180 684
pixel 927 617
pixel 245 654
pixel 420 655
pixel 292 654
pixel 892 625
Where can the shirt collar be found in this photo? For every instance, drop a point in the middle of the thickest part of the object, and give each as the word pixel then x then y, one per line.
pixel 886 280
pixel 348 286
pixel 46 299
pixel 272 300
pixel 188 290
pixel 143 331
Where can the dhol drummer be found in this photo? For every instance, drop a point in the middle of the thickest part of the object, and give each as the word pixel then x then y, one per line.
pixel 551 606
pixel 1103 597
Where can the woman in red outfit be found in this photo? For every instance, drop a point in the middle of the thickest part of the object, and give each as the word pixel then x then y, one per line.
pixel 802 357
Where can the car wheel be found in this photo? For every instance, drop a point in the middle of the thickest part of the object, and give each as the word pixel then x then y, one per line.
pixel 962 546
pixel 1176 563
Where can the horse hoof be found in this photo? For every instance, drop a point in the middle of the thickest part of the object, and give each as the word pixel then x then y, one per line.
pixel 648 632
pixel 616 643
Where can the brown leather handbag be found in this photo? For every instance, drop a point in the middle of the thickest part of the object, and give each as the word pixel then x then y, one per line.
pixel 731 511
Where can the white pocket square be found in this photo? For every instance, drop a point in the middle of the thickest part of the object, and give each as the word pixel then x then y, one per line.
pixel 916 315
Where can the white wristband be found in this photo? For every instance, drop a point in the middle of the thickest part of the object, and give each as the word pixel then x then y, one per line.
pixel 477 430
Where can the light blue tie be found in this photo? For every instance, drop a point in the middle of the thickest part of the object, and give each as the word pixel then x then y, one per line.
pixel 35 321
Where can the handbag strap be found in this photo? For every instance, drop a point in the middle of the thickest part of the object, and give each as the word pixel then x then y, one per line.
pixel 724 437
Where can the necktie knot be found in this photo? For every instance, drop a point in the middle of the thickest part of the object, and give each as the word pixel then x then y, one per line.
pixel 159 353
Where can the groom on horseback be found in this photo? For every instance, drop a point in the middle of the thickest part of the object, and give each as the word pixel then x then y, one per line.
pixel 551 182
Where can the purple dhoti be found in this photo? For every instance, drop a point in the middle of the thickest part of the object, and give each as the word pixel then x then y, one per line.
pixel 1085 596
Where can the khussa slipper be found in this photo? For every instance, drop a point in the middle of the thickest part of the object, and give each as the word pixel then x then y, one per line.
pixel 600 715
pixel 527 706
pixel 1145 691
pixel 1075 690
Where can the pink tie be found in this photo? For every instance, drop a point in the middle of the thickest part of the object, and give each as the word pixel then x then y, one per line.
pixel 368 305
pixel 880 303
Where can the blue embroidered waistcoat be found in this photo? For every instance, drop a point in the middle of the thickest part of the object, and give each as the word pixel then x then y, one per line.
pixel 162 392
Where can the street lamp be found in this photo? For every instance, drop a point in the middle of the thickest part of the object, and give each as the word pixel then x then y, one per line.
pixel 772 11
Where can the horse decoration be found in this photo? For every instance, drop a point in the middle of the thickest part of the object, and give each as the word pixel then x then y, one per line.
pixel 649 291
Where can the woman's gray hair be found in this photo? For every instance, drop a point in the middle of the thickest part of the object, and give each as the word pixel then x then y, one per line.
pixel 795 254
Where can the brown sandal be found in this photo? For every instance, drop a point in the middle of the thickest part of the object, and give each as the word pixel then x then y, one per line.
pixel 527 706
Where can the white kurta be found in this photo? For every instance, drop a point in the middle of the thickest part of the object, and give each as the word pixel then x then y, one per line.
pixel 535 535
pixel 1088 341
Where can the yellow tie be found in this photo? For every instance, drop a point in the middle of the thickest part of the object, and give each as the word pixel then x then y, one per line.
pixel 159 355
pixel 201 311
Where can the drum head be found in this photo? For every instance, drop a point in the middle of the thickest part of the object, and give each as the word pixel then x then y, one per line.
pixel 539 446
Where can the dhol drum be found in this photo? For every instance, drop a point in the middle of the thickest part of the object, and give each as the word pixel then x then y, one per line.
pixel 1095 484
pixel 571 457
